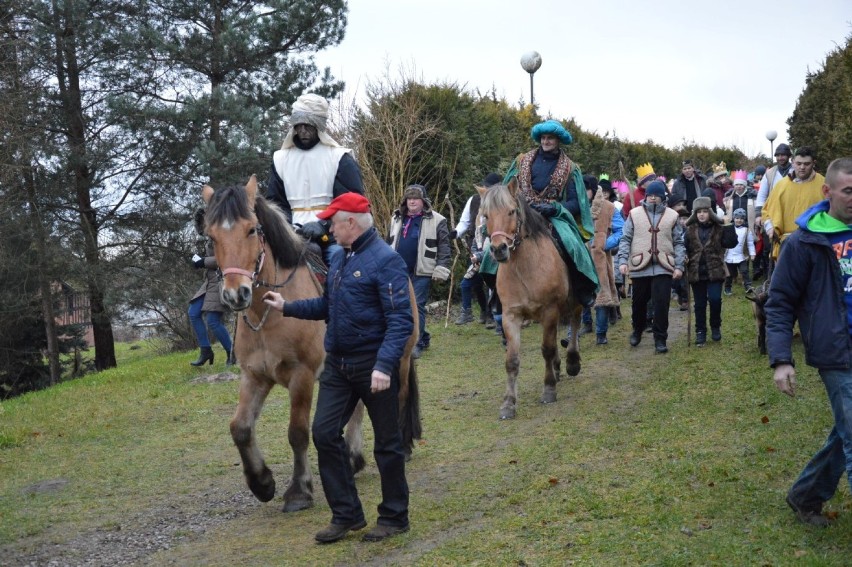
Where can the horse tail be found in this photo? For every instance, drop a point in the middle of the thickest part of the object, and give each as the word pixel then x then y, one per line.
pixel 409 410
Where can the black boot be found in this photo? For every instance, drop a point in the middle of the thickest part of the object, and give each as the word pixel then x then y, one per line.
pixel 205 355
pixel 232 358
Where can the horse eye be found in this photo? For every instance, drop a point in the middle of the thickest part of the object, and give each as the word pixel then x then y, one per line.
pixel 252 231
pixel 511 213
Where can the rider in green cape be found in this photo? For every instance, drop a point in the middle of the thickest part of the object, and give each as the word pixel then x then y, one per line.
pixel 553 185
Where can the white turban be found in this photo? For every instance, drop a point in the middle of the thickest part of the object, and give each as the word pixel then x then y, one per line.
pixel 309 109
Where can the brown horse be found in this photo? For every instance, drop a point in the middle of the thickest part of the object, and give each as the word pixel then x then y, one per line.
pixel 257 250
pixel 532 283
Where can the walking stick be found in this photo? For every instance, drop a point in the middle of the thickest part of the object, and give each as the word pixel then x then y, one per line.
pixel 455 259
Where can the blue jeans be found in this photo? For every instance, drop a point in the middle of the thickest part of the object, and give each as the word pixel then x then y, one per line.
pixel 469 286
pixel 706 292
pixel 422 285
pixel 342 383
pixel 601 320
pixel 214 321
pixel 818 481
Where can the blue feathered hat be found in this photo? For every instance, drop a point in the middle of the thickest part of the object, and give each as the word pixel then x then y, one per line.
pixel 551 127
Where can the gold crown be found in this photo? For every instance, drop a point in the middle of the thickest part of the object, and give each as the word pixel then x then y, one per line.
pixel 720 169
pixel 644 170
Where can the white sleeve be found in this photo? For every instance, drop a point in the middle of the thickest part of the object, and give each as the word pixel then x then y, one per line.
pixel 464 221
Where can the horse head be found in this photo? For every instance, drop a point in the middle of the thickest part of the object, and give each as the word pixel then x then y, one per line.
pixel 503 214
pixel 237 238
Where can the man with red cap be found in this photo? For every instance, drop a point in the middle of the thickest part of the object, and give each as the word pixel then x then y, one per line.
pixel 368 318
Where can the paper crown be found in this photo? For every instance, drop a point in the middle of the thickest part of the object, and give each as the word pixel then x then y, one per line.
pixel 739 174
pixel 719 169
pixel 621 186
pixel 644 170
pixel 603 177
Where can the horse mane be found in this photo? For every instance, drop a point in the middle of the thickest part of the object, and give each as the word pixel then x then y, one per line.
pixel 230 204
pixel 498 197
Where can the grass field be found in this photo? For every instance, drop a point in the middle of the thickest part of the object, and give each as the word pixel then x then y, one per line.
pixel 677 459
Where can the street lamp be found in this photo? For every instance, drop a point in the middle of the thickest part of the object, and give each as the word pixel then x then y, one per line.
pixel 771 135
pixel 531 61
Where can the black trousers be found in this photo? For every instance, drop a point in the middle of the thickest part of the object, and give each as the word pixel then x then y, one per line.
pixel 659 289
pixel 342 383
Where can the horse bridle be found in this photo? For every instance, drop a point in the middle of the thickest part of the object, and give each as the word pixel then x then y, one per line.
pixel 253 276
pixel 514 239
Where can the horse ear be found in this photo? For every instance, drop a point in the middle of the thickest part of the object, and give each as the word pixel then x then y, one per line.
pixel 513 186
pixel 251 190
pixel 207 193
pixel 481 190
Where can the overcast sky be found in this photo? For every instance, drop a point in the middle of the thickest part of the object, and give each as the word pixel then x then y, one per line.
pixel 719 73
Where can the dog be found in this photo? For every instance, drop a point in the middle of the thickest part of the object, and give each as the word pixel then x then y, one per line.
pixel 758 297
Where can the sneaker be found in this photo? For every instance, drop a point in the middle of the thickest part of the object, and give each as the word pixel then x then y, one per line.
pixel 382 531
pixel 635 338
pixel 335 532
pixel 483 317
pixel 417 352
pixel 716 334
pixel 585 329
pixel 700 338
pixel 601 340
pixel 728 291
pixel 813 517
pixel 660 346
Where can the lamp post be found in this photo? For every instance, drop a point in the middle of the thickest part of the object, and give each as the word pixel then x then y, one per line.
pixel 771 135
pixel 530 62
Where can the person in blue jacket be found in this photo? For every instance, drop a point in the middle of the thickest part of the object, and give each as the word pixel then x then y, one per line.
pixel 368 315
pixel 812 283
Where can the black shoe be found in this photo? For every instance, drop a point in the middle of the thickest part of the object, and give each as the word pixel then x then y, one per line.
pixel 660 346
pixel 335 532
pixel 649 327
pixel 635 338
pixel 602 340
pixel 700 338
pixel 417 352
pixel 585 329
pixel 205 355
pixel 232 359
pixel 382 531
pixel 813 517
pixel 716 334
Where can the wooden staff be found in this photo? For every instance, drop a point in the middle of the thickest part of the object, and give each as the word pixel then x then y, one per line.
pixel 455 259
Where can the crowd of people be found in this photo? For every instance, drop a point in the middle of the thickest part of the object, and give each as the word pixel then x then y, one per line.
pixel 651 241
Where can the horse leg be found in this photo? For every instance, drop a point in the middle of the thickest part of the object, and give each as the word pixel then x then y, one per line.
pixel 512 332
pixel 410 424
pixel 572 355
pixel 549 326
pixel 253 393
pixel 355 440
pixel 300 494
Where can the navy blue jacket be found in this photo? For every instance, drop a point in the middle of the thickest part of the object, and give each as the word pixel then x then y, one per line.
pixel 365 305
pixel 806 285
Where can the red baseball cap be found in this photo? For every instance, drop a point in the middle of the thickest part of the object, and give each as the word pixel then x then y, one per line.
pixel 349 202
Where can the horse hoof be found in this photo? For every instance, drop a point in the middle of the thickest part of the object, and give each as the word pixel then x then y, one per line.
pixel 573 370
pixel 297 505
pixel 263 487
pixel 507 414
pixel 548 397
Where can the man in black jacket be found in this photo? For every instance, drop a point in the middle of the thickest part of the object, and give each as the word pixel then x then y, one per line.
pixel 687 187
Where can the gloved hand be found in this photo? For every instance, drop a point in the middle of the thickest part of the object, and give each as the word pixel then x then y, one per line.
pixel 313 231
pixel 546 210
pixel 440 273
pixel 454 234
pixel 197 261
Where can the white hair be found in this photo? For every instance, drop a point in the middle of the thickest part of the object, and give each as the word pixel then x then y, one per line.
pixel 363 220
